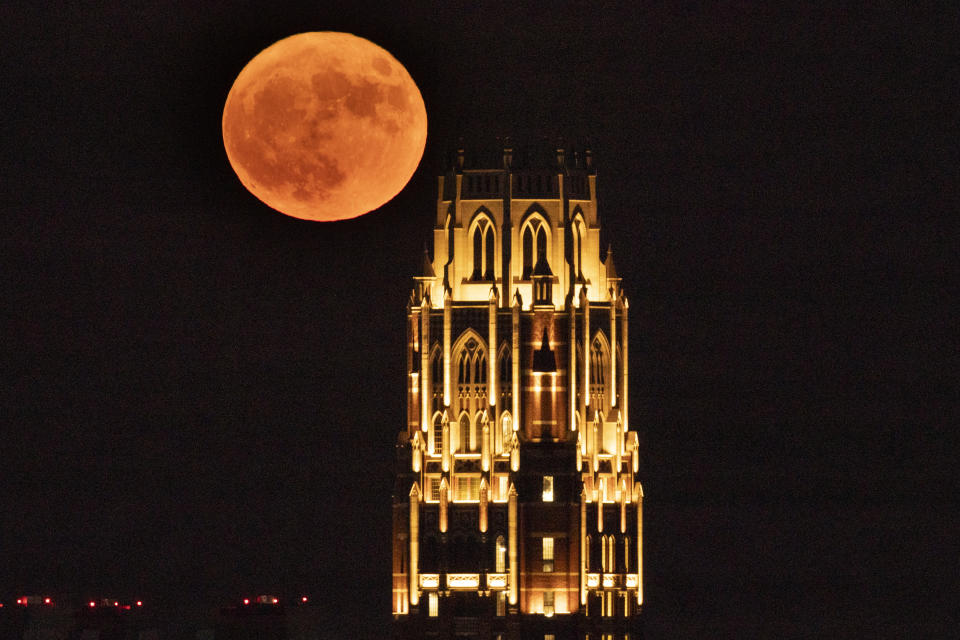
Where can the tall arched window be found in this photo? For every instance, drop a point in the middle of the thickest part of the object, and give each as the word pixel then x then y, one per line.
pixel 527 253
pixel 464 368
pixel 477 252
pixel 577 248
pixel 597 362
pixel 534 238
pixel 465 434
pixel 608 557
pixel 483 250
pixel 505 368
pixel 437 434
pixel 436 378
pixel 541 245
pixel 488 253
pixel 506 431
pixel 598 368
pixel 470 355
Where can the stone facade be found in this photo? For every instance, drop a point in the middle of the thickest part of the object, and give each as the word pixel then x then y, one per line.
pixel 517 503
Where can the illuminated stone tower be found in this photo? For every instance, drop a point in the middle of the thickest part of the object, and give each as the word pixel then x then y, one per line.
pixel 517 507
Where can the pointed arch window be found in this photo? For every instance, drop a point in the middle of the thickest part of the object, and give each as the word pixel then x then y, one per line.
pixel 483 251
pixel 437 434
pixel 504 368
pixel 577 249
pixel 534 240
pixel 598 368
pixel 527 253
pixel 465 433
pixel 480 368
pixel 541 245
pixel 488 253
pixel 436 378
pixel 506 431
pixel 477 252
pixel 464 368
pixel 608 555
pixel 501 555
pixel 598 362
pixel 470 355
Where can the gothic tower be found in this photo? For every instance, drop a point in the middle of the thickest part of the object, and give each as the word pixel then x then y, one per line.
pixel 517 508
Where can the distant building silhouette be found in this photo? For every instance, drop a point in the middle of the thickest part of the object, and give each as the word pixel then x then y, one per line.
pixel 517 508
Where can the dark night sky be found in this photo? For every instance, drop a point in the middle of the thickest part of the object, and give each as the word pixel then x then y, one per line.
pixel 192 383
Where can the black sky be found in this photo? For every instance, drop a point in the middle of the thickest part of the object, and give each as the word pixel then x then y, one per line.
pixel 194 386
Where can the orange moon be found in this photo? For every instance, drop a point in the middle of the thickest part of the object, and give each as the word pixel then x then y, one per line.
pixel 324 126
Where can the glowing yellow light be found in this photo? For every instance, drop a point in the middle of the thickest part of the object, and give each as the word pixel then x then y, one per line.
pixel 496 581
pixel 463 580
pixel 429 580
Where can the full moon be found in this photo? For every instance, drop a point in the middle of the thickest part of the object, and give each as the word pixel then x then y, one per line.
pixel 324 126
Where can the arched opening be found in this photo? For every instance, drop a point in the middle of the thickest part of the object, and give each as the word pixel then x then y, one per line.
pixel 599 359
pixel 577 233
pixel 470 354
pixel 477 252
pixel 500 558
pixel 488 253
pixel 463 367
pixel 484 245
pixel 436 378
pixel 535 238
pixel 506 432
pixel 437 435
pixel 527 253
pixel 541 246
pixel 465 433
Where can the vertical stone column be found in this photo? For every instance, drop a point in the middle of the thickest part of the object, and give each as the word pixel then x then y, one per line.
pixel 613 349
pixel 585 307
pixel 492 393
pixel 572 364
pixel 600 496
pixel 484 499
pixel 425 390
pixel 515 359
pixel 447 304
pixel 444 499
pixel 485 446
pixel 414 544
pixel 445 445
pixel 512 525
pixel 639 500
pixel 584 552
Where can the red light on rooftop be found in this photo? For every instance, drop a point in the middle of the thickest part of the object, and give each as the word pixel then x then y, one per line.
pixel 92 604
pixel 116 604
pixel 139 603
pixel 303 599
pixel 274 601
pixel 46 601
pixel 246 601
